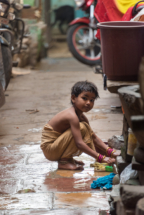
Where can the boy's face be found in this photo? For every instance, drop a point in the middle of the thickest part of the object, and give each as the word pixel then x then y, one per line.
pixel 84 102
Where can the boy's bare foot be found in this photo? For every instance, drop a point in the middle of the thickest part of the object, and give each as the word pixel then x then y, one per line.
pixel 108 160
pixel 70 166
pixel 79 162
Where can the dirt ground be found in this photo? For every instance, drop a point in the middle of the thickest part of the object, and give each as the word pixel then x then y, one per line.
pixel 30 184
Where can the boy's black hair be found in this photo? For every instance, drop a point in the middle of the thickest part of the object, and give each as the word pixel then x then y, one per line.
pixel 86 86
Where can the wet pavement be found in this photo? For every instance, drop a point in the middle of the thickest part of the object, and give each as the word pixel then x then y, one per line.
pixel 29 183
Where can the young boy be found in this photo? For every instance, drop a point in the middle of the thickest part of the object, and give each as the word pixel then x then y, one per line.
pixel 68 134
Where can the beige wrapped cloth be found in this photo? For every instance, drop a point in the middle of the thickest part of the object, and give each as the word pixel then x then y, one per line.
pixel 56 146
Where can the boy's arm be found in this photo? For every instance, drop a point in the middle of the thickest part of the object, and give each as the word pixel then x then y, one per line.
pixel 99 143
pixel 75 128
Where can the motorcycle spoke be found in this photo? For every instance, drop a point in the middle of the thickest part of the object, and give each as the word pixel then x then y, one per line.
pixel 83 47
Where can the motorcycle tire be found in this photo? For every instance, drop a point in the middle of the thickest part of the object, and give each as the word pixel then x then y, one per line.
pixel 75 52
pixel 7 63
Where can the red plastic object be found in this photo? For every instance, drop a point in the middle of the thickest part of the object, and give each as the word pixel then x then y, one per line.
pixel 88 3
pixel 122 49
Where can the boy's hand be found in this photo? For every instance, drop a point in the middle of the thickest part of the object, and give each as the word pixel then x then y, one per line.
pixel 108 160
pixel 116 153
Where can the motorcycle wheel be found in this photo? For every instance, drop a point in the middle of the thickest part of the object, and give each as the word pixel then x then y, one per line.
pixel 79 45
pixel 7 63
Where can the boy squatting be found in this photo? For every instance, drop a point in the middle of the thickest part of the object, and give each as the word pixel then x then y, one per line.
pixel 68 133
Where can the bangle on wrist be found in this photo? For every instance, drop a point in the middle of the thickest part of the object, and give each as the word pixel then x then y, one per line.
pixel 97 156
pixel 100 158
pixel 103 158
pixel 112 153
pixel 109 151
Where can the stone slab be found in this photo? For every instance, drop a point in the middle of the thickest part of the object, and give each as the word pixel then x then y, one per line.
pixel 20 149
pixel 140 207
pixel 97 200
pixel 43 184
pixel 141 177
pixel 86 173
pixel 113 86
pixel 27 139
pixel 12 159
pixel 130 195
pixel 8 186
pixel 137 166
pixel 133 182
pixel 32 185
pixel 37 158
pixel 53 212
pixel 24 171
pixel 26 201
pixel 121 164
pixel 68 184
pixel 120 209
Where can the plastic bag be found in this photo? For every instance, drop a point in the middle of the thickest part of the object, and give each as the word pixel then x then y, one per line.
pixel 127 174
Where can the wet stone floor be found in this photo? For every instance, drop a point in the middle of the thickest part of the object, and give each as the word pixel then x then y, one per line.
pixel 29 183
pixel 34 185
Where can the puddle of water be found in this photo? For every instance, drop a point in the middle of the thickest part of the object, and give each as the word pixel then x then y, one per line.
pixel 84 174
pixel 82 183
pixel 67 185
pixel 87 173
pixel 35 130
pixel 85 200
pixel 37 158
pixel 11 159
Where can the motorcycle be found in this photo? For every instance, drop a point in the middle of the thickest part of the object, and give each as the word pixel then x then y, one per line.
pixel 81 36
pixel 17 26
pixel 5 49
pixel 11 36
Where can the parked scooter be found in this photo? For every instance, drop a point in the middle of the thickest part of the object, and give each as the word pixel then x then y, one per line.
pixel 17 26
pixel 5 49
pixel 11 35
pixel 81 36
